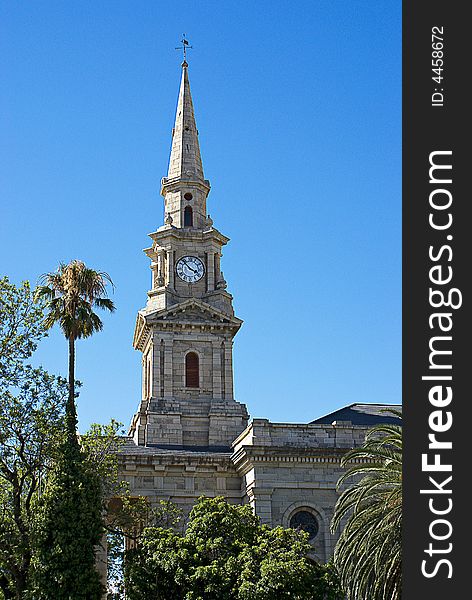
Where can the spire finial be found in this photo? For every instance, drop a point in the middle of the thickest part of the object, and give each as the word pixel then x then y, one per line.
pixel 184 47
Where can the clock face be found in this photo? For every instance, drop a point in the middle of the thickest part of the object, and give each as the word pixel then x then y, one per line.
pixel 190 269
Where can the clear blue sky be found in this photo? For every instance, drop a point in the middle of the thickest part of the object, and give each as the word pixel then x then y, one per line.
pixel 298 105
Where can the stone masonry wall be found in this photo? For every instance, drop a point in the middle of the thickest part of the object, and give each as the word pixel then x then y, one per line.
pixel 286 468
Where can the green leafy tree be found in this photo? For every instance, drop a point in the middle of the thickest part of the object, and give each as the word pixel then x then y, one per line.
pixel 101 445
pixel 31 421
pixel 69 527
pixel 124 517
pixel 368 553
pixel 70 520
pixel 20 329
pixel 64 559
pixel 72 292
pixel 226 554
pixel 127 519
pixel 37 464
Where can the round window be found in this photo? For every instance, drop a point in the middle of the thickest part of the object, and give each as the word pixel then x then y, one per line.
pixel 306 521
pixel 188 196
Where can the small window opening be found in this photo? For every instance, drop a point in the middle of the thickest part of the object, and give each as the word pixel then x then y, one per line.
pixel 188 196
pixel 192 379
pixel 188 216
pixel 305 521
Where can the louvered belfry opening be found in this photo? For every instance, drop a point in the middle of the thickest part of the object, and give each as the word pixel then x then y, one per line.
pixel 192 379
pixel 188 216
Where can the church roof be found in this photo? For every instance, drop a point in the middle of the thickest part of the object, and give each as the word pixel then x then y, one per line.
pixel 129 447
pixel 363 414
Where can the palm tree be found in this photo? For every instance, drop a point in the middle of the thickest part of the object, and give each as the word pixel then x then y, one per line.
pixel 368 554
pixel 71 293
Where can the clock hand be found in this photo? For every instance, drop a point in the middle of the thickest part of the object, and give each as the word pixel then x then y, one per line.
pixel 189 267
pixel 186 264
pixel 194 270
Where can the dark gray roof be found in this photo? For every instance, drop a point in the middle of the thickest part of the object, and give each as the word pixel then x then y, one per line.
pixel 363 414
pixel 129 447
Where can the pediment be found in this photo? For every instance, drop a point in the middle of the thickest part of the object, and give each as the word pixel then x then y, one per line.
pixel 192 314
pixel 194 311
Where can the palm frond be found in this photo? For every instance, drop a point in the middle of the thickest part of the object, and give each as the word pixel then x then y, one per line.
pixel 71 293
pixel 105 303
pixel 369 550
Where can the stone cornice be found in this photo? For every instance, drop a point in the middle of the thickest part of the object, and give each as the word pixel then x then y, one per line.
pixel 194 326
pixel 246 457
pixel 215 317
pixel 142 332
pixel 176 183
pixel 168 232
pixel 188 461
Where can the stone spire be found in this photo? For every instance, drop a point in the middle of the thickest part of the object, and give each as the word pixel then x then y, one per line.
pixel 185 160
pixel 185 188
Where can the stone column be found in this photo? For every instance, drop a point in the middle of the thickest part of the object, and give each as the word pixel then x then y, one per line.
pixel 150 368
pixel 143 379
pixel 210 271
pixel 216 269
pixel 154 270
pixel 168 368
pixel 228 366
pixel 216 369
pixel 170 268
pixel 160 268
pixel 162 359
pixel 156 368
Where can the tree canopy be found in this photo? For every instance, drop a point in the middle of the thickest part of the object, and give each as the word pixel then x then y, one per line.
pixel 52 492
pixel 71 293
pixel 70 522
pixel 225 553
pixel 21 328
pixel 68 528
pixel 31 422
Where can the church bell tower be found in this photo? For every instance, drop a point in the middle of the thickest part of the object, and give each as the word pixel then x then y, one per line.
pixel 186 330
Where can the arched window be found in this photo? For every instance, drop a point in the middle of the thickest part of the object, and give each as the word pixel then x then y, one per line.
pixel 188 216
pixel 192 378
pixel 306 521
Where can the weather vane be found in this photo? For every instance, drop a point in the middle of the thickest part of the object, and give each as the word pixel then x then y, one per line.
pixel 185 46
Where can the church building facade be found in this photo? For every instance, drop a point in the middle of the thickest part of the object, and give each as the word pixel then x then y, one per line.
pixel 189 436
